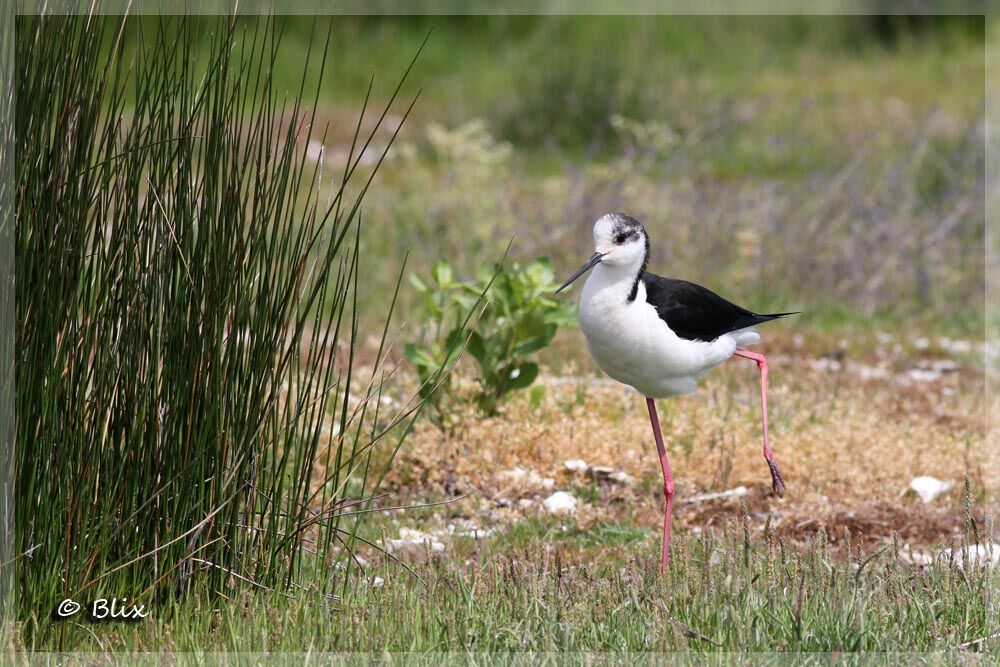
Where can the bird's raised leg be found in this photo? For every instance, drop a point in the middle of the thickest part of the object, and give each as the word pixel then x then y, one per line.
pixel 776 482
pixel 668 482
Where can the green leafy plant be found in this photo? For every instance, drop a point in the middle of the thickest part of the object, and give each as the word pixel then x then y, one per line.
pixel 442 303
pixel 519 318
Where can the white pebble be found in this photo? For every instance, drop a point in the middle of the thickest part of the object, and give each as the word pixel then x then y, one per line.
pixel 622 477
pixel 979 555
pixel 955 346
pixel 560 502
pixel 929 488
pixel 924 375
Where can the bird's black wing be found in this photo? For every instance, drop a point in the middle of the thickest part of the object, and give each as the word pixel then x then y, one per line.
pixel 695 312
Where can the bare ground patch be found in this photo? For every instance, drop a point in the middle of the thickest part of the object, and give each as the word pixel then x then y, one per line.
pixel 848 436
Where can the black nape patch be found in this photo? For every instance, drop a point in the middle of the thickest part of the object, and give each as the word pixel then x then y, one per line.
pixel 626 224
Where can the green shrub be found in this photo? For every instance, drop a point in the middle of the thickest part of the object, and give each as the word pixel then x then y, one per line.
pixel 445 304
pixel 519 318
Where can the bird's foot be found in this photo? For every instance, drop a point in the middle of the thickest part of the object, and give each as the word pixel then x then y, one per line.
pixel 776 482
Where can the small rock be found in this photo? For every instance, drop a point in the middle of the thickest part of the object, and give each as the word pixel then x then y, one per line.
pixel 945 366
pixel 978 555
pixel 929 488
pixel 825 365
pixel 525 503
pixel 575 465
pixel 560 502
pixel 606 474
pixel 600 472
pixel 955 346
pixel 866 372
pixel 411 535
pixel 911 557
pixel 622 477
pixel 378 582
pixel 924 375
pixel 466 528
pixel 523 477
pixel 738 492
pixel 413 544
pixel 548 483
pixel 476 533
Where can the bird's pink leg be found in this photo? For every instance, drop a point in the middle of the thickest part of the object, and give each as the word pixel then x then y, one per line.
pixel 776 482
pixel 668 482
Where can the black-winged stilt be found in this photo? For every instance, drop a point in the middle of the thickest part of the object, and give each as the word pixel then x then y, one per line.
pixel 660 335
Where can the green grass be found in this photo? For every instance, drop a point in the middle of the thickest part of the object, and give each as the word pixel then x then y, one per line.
pixel 599 65
pixel 532 531
pixel 599 590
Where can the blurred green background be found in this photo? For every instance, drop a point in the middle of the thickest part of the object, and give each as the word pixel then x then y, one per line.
pixel 832 164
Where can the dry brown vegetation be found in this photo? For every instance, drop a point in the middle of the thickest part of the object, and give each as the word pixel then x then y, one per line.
pixel 849 434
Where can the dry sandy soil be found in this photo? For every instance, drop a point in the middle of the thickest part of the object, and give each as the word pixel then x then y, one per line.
pixel 850 430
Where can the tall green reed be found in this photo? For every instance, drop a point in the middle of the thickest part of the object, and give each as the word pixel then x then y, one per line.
pixel 6 306
pixel 190 411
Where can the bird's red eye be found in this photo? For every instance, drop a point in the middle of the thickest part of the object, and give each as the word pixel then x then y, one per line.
pixel 621 238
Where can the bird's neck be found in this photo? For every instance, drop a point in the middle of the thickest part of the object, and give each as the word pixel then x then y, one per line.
pixel 618 283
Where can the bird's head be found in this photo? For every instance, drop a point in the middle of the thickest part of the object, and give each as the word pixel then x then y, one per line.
pixel 619 241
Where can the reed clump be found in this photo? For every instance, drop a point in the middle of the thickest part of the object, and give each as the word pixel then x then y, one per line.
pixel 188 309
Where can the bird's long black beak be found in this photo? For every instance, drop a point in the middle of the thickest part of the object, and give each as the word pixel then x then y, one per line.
pixel 591 263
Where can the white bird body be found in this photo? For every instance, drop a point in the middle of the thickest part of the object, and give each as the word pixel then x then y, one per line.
pixel 630 342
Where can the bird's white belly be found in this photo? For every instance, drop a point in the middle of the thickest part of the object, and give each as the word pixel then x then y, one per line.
pixel 634 346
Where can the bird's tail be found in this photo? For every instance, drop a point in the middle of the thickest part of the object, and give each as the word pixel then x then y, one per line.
pixel 774 316
pixel 754 320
